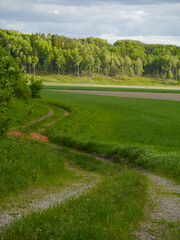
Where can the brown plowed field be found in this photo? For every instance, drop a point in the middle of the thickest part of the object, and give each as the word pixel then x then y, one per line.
pixel 148 95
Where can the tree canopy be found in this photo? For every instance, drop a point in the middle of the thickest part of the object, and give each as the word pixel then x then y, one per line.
pixel 59 54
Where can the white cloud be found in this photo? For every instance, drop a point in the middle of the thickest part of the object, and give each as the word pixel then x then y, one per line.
pixel 172 40
pixel 114 19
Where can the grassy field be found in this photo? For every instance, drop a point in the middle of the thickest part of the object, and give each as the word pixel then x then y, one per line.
pixel 143 131
pixel 27 164
pixel 102 80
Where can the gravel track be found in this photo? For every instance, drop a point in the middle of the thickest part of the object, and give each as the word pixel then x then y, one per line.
pixel 41 199
pixel 162 210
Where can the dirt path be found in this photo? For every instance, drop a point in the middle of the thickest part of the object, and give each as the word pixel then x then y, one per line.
pixel 41 199
pixel 162 210
pixel 146 95
pixel 50 113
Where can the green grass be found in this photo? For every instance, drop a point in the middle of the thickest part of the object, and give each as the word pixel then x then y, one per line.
pixel 124 89
pixel 90 163
pixel 27 163
pixel 144 131
pixel 111 211
pixel 22 112
pixel 103 80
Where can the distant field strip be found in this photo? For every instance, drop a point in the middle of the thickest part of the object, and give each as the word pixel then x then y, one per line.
pixel 161 96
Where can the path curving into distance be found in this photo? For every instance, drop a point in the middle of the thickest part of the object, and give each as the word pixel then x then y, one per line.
pixel 163 194
pixel 145 95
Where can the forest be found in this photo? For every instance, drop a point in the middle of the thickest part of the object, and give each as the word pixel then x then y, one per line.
pixel 55 54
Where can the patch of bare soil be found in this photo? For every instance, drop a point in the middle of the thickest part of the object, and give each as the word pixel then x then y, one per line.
pixel 37 136
pixel 34 135
pixel 16 134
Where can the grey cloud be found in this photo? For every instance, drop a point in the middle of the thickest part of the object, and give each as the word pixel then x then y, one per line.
pixel 92 2
pixel 87 18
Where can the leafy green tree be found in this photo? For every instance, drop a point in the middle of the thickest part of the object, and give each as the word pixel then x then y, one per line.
pixel 34 63
pixel 77 59
pixel 127 65
pixel 97 63
pixel 178 75
pixel 170 75
pixel 138 67
pixel 29 61
pixel 105 59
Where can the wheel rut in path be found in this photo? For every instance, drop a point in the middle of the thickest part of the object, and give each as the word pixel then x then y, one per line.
pixel 162 210
pixel 41 199
pixel 49 114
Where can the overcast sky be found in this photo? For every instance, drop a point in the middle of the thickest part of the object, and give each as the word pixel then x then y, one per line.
pixel 151 21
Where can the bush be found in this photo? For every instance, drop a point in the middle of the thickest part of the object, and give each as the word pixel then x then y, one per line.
pixel 12 84
pixel 36 86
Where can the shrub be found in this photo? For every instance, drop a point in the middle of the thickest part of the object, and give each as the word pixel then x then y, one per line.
pixel 35 86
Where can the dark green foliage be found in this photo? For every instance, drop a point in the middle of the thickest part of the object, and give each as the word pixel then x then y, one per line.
pixel 36 86
pixel 12 84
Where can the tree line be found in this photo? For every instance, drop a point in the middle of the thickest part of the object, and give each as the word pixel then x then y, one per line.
pixel 53 53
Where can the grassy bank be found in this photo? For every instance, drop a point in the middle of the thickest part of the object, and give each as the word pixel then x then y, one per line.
pixel 24 164
pixel 22 112
pixel 103 80
pixel 111 211
pixel 144 131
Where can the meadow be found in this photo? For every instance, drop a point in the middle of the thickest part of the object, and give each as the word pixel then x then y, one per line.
pixel 28 165
pixel 104 80
pixel 145 132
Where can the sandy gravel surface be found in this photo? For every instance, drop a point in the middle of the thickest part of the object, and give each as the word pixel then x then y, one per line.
pixel 162 211
pixel 147 95
pixel 42 199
